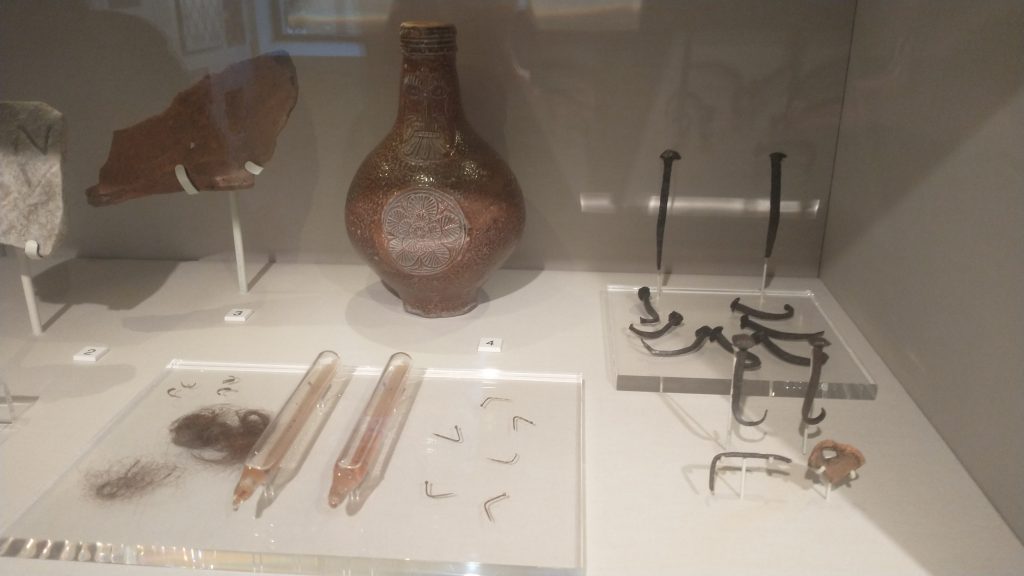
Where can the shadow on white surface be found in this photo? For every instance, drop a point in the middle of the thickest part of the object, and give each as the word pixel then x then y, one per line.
pixel 104 282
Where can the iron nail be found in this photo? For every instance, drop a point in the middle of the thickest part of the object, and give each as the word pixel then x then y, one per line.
pixel 644 293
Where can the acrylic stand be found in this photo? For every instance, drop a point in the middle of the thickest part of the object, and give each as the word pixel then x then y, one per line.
pixel 11 406
pixel 31 251
pixel 743 456
pixel 805 429
pixel 6 404
pixel 828 485
pixel 236 222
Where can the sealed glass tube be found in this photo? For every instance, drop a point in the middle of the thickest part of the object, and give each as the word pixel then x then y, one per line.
pixel 293 460
pixel 363 444
pixel 291 419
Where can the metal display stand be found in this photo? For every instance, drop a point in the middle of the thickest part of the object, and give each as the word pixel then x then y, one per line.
pixel 236 222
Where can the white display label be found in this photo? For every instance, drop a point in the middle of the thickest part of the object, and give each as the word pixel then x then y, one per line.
pixel 90 354
pixel 238 315
pixel 489 345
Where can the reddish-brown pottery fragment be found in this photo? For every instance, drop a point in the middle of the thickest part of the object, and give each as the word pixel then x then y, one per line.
pixel 847 459
pixel 433 208
pixel 212 129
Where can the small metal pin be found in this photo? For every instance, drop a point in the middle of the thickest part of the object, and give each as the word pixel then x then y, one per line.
pixel 512 461
pixel 430 494
pixel 517 419
pixel 221 391
pixel 492 501
pixel 490 399
pixel 458 435
pixel 173 393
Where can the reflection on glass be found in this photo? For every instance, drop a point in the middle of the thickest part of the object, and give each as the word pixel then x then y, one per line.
pixel 588 15
pixel 718 206
pixel 330 18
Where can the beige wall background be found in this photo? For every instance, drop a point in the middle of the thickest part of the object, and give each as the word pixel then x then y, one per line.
pixel 579 97
pixel 925 240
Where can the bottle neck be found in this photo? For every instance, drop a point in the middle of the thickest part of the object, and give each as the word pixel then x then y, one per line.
pixel 430 108
pixel 429 90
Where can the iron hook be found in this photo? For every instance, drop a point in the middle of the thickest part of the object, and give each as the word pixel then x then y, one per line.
pixel 742 342
pixel 751 361
pixel 746 322
pixel 778 352
pixel 714 462
pixel 674 319
pixel 701 335
pixel 735 306
pixel 818 359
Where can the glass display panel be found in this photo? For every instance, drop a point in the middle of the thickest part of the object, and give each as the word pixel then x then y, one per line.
pixel 188 521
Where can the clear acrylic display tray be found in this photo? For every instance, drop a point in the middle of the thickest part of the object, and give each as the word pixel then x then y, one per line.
pixel 189 522
pixel 709 369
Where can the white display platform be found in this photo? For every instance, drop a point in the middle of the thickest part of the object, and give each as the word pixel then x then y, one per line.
pixel 914 510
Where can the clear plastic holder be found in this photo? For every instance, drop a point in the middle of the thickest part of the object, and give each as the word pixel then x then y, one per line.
pixel 709 369
pixel 11 406
pixel 189 522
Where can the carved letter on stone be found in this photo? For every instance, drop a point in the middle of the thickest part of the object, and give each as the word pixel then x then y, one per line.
pixel 212 129
pixel 31 151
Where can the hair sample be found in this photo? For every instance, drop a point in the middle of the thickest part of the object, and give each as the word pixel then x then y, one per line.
pixel 221 434
pixel 125 480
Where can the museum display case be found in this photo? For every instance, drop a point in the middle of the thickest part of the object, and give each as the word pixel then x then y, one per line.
pixel 627 286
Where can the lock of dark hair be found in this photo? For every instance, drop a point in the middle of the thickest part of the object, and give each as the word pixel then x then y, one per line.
pixel 122 480
pixel 221 434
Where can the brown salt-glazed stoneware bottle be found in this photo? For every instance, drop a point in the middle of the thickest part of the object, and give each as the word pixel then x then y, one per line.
pixel 433 208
